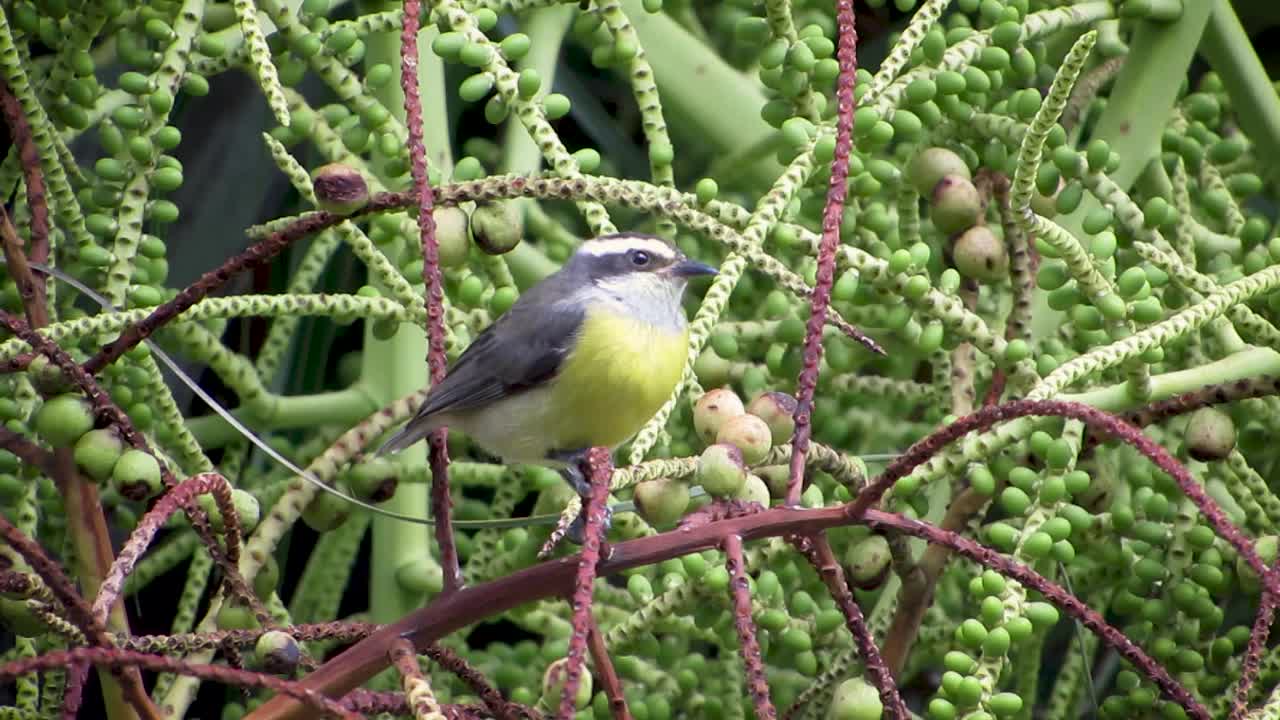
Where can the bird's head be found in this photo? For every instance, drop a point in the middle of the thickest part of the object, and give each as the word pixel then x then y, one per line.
pixel 645 273
pixel 635 258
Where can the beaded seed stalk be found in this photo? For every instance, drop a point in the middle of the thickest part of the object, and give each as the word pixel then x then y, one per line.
pixel 976 420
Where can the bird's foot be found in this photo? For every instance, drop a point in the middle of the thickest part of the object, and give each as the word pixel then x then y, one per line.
pixel 576 472
pixel 577 532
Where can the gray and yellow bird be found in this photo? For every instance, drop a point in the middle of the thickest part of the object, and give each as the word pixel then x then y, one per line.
pixel 582 359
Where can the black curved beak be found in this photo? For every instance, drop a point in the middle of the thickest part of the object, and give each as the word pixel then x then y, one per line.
pixel 692 268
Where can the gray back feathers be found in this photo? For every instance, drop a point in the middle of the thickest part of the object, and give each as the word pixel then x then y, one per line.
pixel 527 346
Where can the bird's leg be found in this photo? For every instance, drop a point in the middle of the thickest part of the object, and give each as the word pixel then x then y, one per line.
pixel 578 474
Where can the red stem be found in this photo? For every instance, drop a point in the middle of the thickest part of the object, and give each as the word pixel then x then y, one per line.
pixel 818 551
pixel 117 658
pixel 405 661
pixel 1109 634
pixel 140 539
pixel 1097 420
pixel 441 506
pixel 106 410
pixel 500 707
pixel 33 292
pixel 757 683
pixel 79 614
pixel 600 467
pixel 831 216
pixel 1253 653
pixel 612 685
pixel 429 624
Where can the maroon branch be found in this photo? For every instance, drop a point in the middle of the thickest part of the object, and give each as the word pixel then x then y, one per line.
pixel 1097 420
pixel 26 451
pixel 181 495
pixel 831 216
pixel 600 468
pixel 78 613
pixel 405 661
pixel 553 578
pixel 337 631
pixel 31 291
pixel 1216 394
pixel 369 703
pixel 77 674
pixel 556 577
pixel 609 680
pixel 258 253
pixel 1253 653
pixel 1087 616
pixel 18 363
pixel 437 448
pixel 108 412
pixel 117 658
pixel 818 552
pixel 757 683
pixel 500 707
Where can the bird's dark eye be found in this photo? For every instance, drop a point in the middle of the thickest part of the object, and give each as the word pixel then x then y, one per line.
pixel 639 258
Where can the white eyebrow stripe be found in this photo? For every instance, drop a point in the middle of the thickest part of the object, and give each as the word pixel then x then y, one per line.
pixel 619 245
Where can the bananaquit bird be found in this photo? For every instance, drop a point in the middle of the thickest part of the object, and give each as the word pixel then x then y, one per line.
pixel 583 359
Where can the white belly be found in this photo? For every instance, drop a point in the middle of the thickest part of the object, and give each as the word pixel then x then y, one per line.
pixel 513 429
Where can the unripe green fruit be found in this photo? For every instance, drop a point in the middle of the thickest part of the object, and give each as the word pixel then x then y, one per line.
pixel 929 166
pixel 268 577
pixel 721 470
pixel 452 236
pixel 97 452
pixel 749 434
pixel 1210 435
pixel 327 511
pixel 339 189
pixel 713 409
pixel 955 204
pixel 777 410
pixel 754 490
pixel 233 616
pixel 855 699
pixel 63 419
pixel 497 227
pixel 277 653
pixel 246 505
pixel 48 379
pixel 776 477
pixel 868 562
pixel 980 255
pixel 553 686
pixel 661 502
pixel 136 475
pixel 1266 547
pixel 373 480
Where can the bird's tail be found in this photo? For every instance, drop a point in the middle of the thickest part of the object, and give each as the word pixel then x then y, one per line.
pixel 416 429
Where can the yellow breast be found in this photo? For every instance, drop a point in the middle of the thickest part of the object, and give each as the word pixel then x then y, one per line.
pixel 617 377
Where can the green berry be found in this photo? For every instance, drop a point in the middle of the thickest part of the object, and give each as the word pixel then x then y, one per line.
pixel 1210 435
pixel 136 475
pixel 955 204
pixel 663 501
pixel 721 470
pixel 749 434
pixel 62 420
pixel 855 699
pixel 931 165
pixel 980 255
pixel 868 562
pixel 97 451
